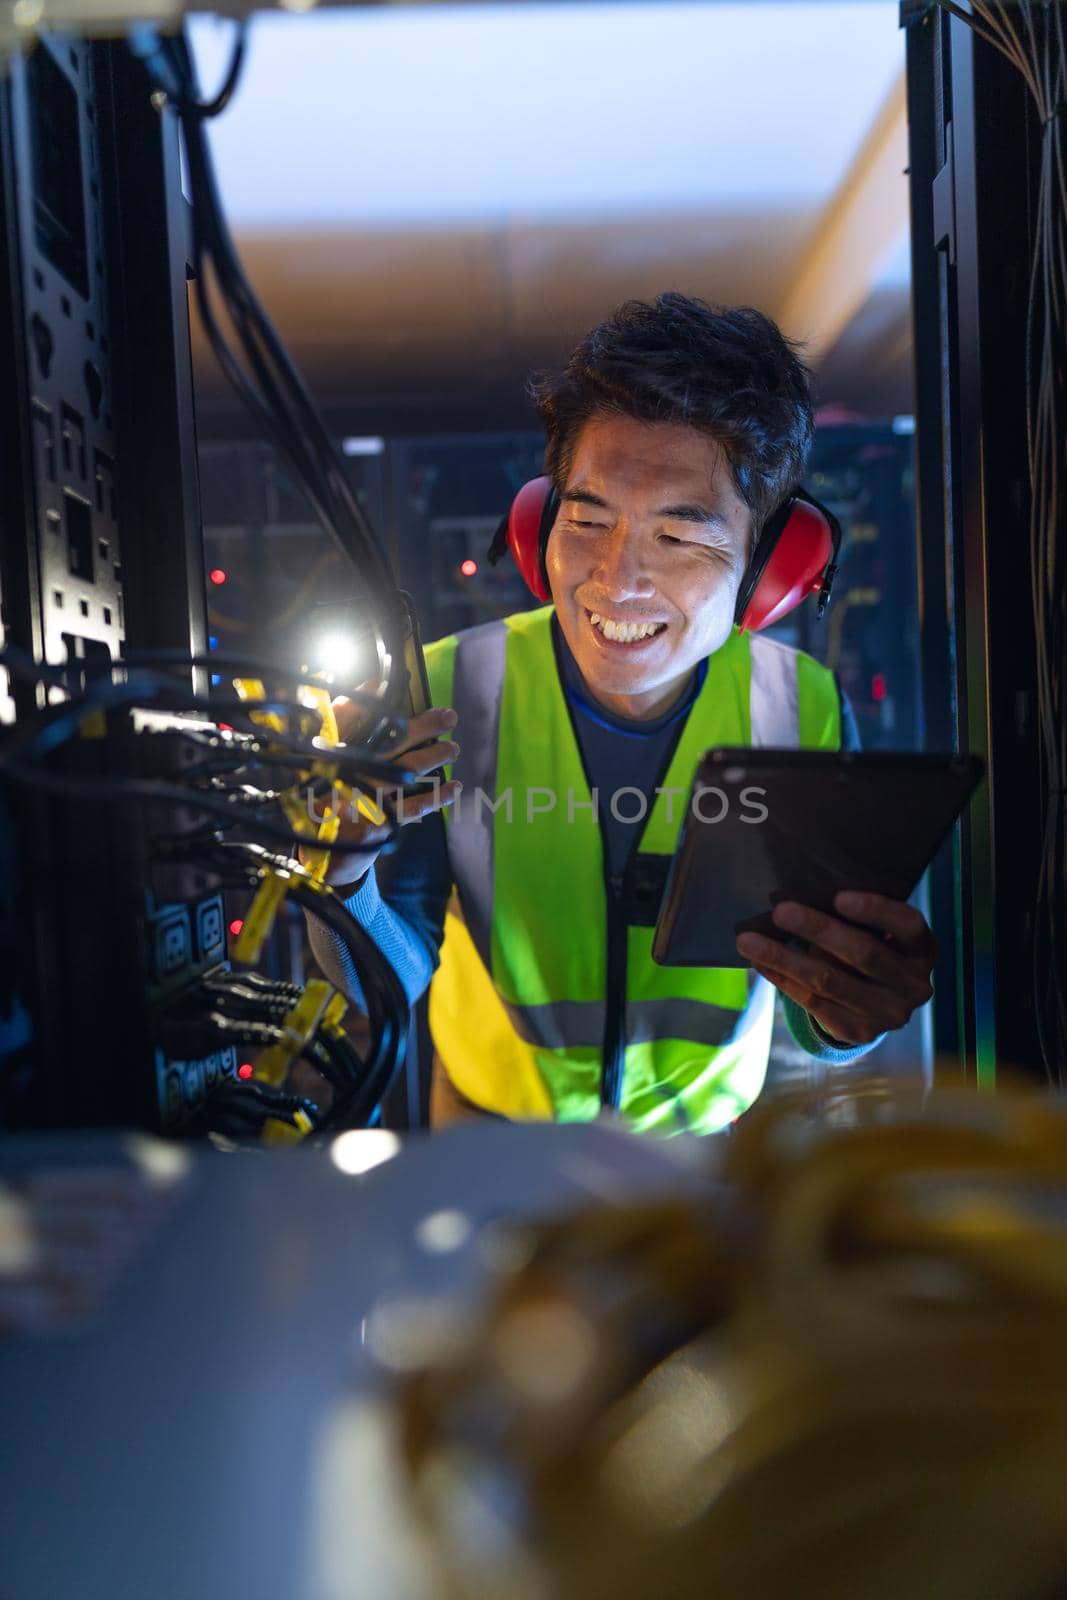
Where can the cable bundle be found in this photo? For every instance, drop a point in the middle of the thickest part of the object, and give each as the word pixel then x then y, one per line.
pixel 247 1009
pixel 843 1375
pixel 267 770
pixel 252 779
pixel 359 1083
pixel 233 752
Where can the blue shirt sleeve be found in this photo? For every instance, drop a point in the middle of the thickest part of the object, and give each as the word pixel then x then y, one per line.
pixel 401 904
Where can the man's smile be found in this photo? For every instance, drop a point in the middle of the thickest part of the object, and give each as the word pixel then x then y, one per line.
pixel 623 632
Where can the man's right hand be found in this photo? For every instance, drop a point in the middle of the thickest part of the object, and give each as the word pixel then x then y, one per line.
pixel 347 869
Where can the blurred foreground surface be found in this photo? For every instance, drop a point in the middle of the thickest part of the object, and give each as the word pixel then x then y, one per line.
pixel 186 1333
pixel 821 1356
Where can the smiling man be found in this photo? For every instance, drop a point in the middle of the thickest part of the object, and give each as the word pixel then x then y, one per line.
pixel 645 559
pixel 674 432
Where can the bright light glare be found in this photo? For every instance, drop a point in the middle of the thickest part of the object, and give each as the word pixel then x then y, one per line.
pixel 20 1248
pixel 161 1163
pixel 363 447
pixel 443 1231
pixel 362 1149
pixel 337 655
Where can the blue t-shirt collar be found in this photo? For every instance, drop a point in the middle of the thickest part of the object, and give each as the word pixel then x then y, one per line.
pixel 574 688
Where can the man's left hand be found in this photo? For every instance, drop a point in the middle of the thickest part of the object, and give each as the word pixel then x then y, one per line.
pixel 857 982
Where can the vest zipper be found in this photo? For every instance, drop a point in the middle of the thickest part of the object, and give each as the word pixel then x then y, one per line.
pixel 613 1054
pixel 613 1051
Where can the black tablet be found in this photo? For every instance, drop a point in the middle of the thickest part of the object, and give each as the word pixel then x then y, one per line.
pixel 768 825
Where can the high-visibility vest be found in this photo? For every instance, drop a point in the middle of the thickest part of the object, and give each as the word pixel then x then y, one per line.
pixel 517 1005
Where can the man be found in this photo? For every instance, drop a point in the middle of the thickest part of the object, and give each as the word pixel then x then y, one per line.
pixel 675 430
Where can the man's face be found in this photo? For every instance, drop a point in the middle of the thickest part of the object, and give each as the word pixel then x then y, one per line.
pixel 651 532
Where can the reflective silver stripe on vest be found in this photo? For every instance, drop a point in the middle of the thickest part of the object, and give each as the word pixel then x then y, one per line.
pixel 477 692
pixel 774 705
pixel 572 1024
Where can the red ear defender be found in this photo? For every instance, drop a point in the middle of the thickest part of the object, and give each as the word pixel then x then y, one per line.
pixel 795 555
pixel 525 530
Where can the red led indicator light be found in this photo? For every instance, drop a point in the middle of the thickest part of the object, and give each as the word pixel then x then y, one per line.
pixel 235 926
pixel 245 1070
pixel 217 575
pixel 878 689
pixel 468 568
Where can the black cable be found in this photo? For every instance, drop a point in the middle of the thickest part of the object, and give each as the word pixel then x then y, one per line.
pixel 227 1005
pixel 241 1109
pixel 212 108
pixel 362 770
pixel 387 1008
pixel 280 403
pixel 254 985
pixel 141 685
pixel 333 1055
pixel 269 671
pixel 284 409
pixel 386 1002
pixel 150 790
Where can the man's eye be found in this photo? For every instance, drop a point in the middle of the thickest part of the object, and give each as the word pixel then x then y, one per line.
pixel 689 544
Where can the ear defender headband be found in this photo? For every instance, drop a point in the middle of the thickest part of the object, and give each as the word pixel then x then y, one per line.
pixel 796 554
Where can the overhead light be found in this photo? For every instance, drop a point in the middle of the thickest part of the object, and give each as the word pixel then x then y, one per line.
pixel 363 447
pixel 27 13
pixel 903 424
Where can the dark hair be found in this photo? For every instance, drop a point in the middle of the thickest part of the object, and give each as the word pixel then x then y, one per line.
pixel 728 371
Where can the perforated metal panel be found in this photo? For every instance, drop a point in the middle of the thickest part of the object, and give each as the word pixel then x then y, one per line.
pixel 100 545
pixel 61 301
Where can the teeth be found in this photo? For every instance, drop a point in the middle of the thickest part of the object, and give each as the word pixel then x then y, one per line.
pixel 623 632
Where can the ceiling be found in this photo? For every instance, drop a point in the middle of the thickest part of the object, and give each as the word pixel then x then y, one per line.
pixel 434 200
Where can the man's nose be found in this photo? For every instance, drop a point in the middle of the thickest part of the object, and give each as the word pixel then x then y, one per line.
pixel 620 568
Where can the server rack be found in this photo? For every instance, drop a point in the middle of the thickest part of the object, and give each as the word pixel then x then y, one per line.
pixel 100 554
pixel 973 186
